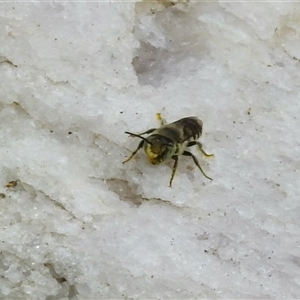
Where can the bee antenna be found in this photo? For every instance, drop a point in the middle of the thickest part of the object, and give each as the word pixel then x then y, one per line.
pixel 139 136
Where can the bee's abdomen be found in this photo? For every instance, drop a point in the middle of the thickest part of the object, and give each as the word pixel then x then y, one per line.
pixel 192 128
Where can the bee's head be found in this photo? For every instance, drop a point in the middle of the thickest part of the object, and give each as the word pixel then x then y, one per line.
pixel 159 148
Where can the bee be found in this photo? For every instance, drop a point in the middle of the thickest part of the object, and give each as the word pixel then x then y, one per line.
pixel 12 184
pixel 169 141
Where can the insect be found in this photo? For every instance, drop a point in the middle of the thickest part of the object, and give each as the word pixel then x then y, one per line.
pixel 12 184
pixel 169 141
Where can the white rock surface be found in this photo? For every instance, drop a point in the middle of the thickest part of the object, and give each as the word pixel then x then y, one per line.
pixel 79 224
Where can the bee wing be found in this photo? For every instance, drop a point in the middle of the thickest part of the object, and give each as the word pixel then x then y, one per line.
pixel 190 128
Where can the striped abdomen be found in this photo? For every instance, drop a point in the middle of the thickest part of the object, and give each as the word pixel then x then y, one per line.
pixel 191 128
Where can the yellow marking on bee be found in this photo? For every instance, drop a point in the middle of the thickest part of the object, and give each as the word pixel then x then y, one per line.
pixel 149 153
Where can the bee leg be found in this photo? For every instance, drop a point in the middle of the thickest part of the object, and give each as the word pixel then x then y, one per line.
pixel 175 157
pixel 134 152
pixel 192 143
pixel 161 119
pixel 186 153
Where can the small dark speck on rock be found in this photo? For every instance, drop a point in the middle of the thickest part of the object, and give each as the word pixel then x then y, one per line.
pixel 70 132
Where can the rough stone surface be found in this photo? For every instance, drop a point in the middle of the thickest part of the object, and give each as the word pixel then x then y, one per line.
pixel 80 225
